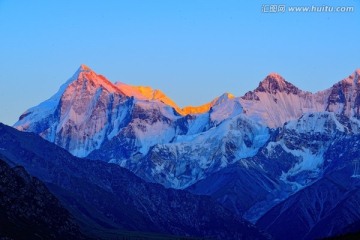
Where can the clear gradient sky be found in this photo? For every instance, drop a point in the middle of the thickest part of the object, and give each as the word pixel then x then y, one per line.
pixel 193 50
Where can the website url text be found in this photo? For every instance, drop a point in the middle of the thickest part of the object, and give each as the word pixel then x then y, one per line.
pixel 281 8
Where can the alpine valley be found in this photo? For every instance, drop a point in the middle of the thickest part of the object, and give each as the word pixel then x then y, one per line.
pixel 122 160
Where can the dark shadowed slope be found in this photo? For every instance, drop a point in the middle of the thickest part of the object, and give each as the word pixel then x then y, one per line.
pixel 107 199
pixel 29 211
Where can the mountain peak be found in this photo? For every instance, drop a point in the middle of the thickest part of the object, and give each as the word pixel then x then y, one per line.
pixel 273 80
pixel 224 97
pixel 86 74
pixel 356 75
pixel 353 79
pixel 79 72
pixel 275 76
pixel 84 68
pixel 227 95
pixel 274 83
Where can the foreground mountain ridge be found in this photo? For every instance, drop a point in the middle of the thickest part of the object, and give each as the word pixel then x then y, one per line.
pixel 29 210
pixel 107 200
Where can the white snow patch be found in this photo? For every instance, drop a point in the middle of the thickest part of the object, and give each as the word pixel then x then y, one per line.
pixel 226 109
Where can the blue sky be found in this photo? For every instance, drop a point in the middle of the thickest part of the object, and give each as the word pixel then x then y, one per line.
pixel 192 50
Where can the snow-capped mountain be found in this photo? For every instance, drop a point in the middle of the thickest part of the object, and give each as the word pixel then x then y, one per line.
pixel 276 101
pixel 89 116
pixel 89 110
pixel 250 153
pixel 145 131
pixel 146 93
pixel 344 96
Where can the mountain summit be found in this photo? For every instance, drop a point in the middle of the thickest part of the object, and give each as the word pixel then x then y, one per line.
pixel 84 68
pixel 85 75
pixel 274 83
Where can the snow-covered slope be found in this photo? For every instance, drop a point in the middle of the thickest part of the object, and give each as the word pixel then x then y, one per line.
pixel 185 149
pixel 78 116
pixel 189 158
pixel 276 101
pixel 293 158
pixel 297 151
pixel 344 96
pixel 207 106
pixel 146 93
